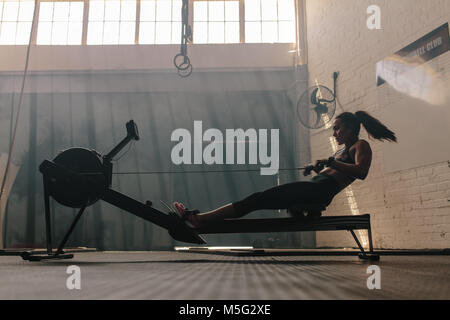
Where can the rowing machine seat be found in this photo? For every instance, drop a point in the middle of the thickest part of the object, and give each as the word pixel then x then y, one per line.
pixel 308 211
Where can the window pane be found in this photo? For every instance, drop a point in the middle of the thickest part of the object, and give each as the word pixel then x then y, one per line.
pixel 8 32
pixel 61 11
pixel 286 10
pixel 212 15
pixel 44 33
pixel 269 32
pixel 252 32
pixel 216 32
pixel 111 32
pixel 76 11
pixel 163 10
pixel 60 23
pixel 231 11
pixel 176 32
pixel 269 10
pixel 95 33
pixel 128 11
pixel 252 10
pixel 163 32
pixel 127 31
pixel 216 11
pixel 176 10
pixel 200 11
pixel 96 10
pixel 46 11
pixel 232 32
pixel 112 10
pixel 147 10
pixel 26 11
pixel 286 31
pixel 75 33
pixel 23 32
pixel 147 32
pixel 1 11
pixel 200 32
pixel 59 33
pixel 10 11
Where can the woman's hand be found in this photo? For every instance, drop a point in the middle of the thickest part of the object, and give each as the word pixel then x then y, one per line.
pixel 307 170
pixel 320 164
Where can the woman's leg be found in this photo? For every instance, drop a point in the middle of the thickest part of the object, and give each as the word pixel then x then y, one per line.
pixel 279 197
pixel 225 212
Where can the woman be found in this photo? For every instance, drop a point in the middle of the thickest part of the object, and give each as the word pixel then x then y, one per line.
pixel 334 174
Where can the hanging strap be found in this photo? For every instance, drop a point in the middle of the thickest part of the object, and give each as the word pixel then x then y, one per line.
pixel 19 107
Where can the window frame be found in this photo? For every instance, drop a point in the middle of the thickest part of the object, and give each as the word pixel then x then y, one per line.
pixel 16 21
pixel 156 21
pixel 297 3
pixel 261 21
pixel 36 15
pixel 86 24
pixel 241 17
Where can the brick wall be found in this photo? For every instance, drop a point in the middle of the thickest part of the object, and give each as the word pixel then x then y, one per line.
pixel 409 208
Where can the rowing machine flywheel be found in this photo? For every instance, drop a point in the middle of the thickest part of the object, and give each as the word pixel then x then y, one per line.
pixel 85 162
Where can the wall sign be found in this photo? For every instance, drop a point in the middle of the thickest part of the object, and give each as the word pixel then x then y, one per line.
pixel 420 51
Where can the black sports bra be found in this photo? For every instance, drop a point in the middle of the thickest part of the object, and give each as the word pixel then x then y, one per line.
pixel 343 155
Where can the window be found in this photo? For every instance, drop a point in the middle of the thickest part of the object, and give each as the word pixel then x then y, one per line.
pixel 160 22
pixel 216 21
pixel 60 23
pixel 270 21
pixel 111 22
pixel 16 18
pixel 103 22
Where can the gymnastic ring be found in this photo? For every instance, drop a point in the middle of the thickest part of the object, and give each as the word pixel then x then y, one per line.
pixel 185 72
pixel 184 64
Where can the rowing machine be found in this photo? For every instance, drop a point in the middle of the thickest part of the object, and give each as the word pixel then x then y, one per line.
pixel 79 177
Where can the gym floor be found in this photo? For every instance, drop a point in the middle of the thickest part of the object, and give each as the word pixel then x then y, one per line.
pixel 182 275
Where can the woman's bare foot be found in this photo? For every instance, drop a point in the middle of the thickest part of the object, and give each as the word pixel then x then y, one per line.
pixel 190 219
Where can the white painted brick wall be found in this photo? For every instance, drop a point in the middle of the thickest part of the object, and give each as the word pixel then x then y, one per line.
pixel 409 208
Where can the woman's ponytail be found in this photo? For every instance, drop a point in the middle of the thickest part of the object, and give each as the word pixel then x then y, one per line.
pixel 374 127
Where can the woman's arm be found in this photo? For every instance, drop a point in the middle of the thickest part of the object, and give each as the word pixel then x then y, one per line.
pixel 363 159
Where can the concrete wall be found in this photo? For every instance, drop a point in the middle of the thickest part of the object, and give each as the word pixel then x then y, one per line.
pixel 89 108
pixel 146 57
pixel 409 207
pixel 82 96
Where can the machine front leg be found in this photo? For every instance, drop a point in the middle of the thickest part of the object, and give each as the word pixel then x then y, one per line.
pixel 48 229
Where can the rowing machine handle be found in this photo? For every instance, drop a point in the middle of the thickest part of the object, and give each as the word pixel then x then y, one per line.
pixel 132 133
pixel 307 170
pixel 132 130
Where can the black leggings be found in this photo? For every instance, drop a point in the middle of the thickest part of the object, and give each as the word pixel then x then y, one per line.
pixel 320 190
